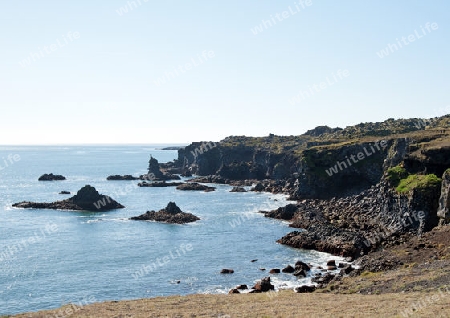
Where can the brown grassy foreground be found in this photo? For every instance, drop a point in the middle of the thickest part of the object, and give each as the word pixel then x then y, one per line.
pixel 283 304
pixel 417 285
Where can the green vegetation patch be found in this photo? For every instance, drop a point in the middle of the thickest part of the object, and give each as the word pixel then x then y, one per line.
pixel 416 181
pixel 396 174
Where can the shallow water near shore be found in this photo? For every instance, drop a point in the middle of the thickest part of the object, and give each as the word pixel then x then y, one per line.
pixel 50 258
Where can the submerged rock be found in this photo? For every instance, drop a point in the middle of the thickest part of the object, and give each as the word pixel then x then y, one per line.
pixel 171 214
pixel 51 177
pixel 86 199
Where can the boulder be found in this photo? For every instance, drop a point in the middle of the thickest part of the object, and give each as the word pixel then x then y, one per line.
pixel 274 271
pixel 288 269
pixel 227 271
pixel 234 291
pixel 302 265
pixel 305 289
pixel 346 269
pixel 331 262
pixel 51 177
pixel 171 214
pixel 258 187
pixel 299 272
pixel 264 285
pixel 195 187
pixel 64 192
pixel 238 189
pixel 86 199
pixel 242 287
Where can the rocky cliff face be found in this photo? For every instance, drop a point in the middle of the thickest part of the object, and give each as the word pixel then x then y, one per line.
pixel 444 200
pixel 347 202
pixel 237 162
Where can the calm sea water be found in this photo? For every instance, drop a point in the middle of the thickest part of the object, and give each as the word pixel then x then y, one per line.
pixel 50 258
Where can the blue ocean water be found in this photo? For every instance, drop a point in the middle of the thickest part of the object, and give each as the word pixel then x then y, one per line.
pixel 50 258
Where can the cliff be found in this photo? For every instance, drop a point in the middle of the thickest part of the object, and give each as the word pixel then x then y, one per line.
pixel 357 188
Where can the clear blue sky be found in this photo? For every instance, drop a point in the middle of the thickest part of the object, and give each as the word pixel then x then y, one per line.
pixel 97 85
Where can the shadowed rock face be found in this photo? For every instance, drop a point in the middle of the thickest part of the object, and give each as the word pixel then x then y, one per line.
pixel 444 201
pixel 86 199
pixel 171 214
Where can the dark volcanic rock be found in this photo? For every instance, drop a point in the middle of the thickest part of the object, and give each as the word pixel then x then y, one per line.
pixel 258 188
pixel 155 173
pixel 171 214
pixel 51 177
pixel 283 213
pixel 209 179
pixel 195 187
pixel 274 271
pixel 234 291
pixel 163 184
pixel 264 285
pixel 243 286
pixel 305 289
pixel 64 192
pixel 227 271
pixel 238 189
pixel 86 199
pixel 120 178
pixel 302 265
pixel 288 269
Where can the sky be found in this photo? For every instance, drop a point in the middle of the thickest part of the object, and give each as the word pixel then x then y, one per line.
pixel 149 71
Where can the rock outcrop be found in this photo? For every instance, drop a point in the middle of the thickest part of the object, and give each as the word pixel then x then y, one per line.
pixel 264 285
pixel 159 184
pixel 86 199
pixel 192 186
pixel 126 177
pixel 238 189
pixel 353 226
pixel 51 177
pixel 171 214
pixel 443 212
pixel 155 173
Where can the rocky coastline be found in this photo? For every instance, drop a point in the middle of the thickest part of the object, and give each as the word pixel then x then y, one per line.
pixel 357 189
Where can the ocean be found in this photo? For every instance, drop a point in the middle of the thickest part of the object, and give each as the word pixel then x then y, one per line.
pixel 51 258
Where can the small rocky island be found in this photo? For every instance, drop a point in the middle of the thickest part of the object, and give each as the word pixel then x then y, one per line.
pixel 51 177
pixel 86 199
pixel 193 186
pixel 171 214
pixel 116 177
